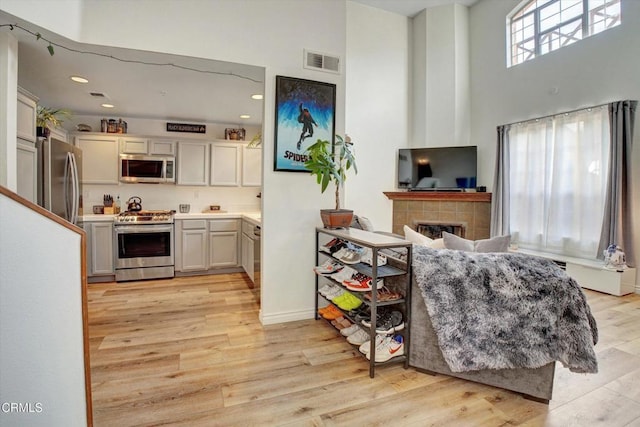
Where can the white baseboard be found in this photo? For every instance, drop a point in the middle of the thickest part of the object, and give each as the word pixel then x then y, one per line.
pixel 291 316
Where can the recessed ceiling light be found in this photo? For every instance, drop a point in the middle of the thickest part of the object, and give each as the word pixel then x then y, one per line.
pixel 256 96
pixel 245 116
pixel 79 79
pixel 108 105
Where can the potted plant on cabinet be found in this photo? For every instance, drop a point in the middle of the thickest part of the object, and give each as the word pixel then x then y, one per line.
pixel 330 164
pixel 47 118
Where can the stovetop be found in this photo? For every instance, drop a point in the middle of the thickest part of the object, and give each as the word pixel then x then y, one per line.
pixel 145 217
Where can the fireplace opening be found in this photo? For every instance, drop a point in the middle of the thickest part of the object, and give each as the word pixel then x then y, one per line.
pixel 434 229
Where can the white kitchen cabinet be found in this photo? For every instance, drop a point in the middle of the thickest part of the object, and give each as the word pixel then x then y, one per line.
pixel 133 145
pixel 162 147
pixel 191 250
pixel 251 166
pixel 27 166
pixel 225 164
pixel 99 158
pixel 248 258
pixel 203 244
pixel 26 116
pixel 193 163
pixel 99 248
pixel 223 243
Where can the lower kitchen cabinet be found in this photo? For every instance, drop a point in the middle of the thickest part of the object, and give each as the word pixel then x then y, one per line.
pixel 99 248
pixel 203 245
pixel 191 247
pixel 223 243
pixel 27 165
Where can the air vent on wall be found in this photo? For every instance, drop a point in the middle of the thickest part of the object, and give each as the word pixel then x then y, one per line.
pixel 322 62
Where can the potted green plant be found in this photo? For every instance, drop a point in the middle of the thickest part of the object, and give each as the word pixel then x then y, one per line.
pixel 48 118
pixel 330 163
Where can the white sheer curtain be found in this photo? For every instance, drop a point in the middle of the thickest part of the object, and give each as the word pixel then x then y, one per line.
pixel 558 180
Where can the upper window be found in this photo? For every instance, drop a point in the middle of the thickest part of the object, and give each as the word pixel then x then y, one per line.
pixel 541 26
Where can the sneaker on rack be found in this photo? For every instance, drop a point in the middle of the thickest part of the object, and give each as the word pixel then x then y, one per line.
pixel 392 346
pixel 358 337
pixel 381 312
pixel 390 322
pixel 331 313
pixel 350 330
pixel 347 301
pixel 328 289
pixel 328 267
pixel 350 256
pixel 367 258
pixel 335 293
pixel 361 283
pixel 365 347
pixel 344 274
pixel 333 245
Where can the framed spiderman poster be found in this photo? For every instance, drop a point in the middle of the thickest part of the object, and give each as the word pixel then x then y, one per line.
pixel 305 112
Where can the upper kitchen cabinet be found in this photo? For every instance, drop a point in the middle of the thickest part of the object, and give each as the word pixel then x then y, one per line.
pixel 225 164
pixel 26 114
pixel 152 146
pixel 163 147
pixel 134 145
pixel 193 163
pixel 99 158
pixel 251 166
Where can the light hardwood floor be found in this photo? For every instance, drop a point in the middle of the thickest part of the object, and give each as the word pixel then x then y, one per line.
pixel 192 352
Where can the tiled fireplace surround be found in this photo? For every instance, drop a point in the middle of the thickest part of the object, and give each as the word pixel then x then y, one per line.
pixel 473 210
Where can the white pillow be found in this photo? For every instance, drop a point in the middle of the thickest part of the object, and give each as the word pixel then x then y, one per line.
pixel 437 244
pixel 415 237
pixel 495 244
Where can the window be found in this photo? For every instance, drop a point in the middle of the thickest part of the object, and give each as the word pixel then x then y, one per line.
pixel 542 26
pixel 557 182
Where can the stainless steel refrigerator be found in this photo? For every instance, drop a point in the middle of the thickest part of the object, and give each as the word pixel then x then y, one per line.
pixel 59 175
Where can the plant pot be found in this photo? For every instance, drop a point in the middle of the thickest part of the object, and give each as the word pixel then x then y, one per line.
pixel 336 218
pixel 42 132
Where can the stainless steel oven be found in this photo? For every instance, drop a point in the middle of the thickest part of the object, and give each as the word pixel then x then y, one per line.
pixel 144 245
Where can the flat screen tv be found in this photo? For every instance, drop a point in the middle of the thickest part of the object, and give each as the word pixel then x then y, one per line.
pixel 437 168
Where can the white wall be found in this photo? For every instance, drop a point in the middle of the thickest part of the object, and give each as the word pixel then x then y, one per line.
pixel 377 105
pixel 8 99
pixel 596 70
pixel 41 339
pixel 271 34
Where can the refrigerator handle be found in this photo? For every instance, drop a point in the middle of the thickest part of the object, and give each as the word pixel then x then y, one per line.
pixel 65 186
pixel 75 189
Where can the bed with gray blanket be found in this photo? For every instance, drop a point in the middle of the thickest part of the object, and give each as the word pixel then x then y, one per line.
pixel 499 319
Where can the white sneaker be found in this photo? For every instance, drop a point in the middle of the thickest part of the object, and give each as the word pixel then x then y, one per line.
pixel 343 274
pixel 392 346
pixel 367 258
pixel 350 257
pixel 328 267
pixel 350 330
pixel 328 289
pixel 366 346
pixel 358 337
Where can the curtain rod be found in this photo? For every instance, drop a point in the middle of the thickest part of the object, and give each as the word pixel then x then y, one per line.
pixel 557 114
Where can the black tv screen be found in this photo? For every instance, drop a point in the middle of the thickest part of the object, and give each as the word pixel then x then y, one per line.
pixel 438 168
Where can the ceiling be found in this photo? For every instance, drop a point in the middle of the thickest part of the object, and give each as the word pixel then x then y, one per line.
pixel 411 7
pixel 190 90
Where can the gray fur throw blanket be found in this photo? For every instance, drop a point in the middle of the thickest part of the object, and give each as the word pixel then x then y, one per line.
pixel 503 310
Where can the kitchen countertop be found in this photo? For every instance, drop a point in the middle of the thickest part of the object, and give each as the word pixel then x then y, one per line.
pixel 254 217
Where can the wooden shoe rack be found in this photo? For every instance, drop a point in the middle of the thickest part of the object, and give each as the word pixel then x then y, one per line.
pixel 396 273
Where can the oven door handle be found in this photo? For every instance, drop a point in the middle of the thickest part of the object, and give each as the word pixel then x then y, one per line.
pixel 127 229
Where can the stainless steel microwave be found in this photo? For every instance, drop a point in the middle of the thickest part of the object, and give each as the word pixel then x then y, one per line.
pixel 151 169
